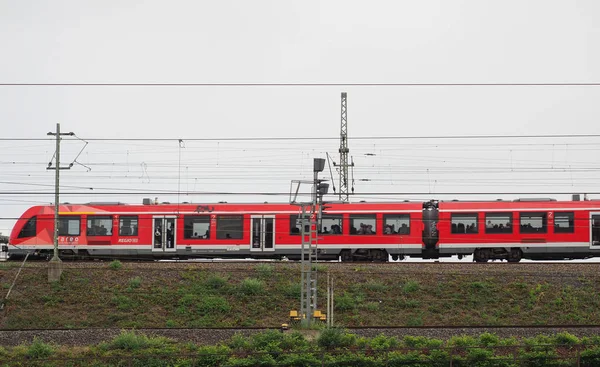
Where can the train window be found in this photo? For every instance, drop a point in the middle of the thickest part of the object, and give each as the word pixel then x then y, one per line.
pixel 498 222
pixel 99 225
pixel 363 224
pixel 464 223
pixel 230 226
pixel 533 222
pixel 564 222
pixel 128 225
pixel 331 224
pixel 196 226
pixel 29 229
pixel 396 224
pixel 69 226
pixel 296 225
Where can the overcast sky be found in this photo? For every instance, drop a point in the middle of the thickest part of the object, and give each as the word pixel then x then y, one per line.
pixel 397 41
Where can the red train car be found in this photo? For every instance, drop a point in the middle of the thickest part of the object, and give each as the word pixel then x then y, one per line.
pixel 524 228
pixel 508 230
pixel 360 231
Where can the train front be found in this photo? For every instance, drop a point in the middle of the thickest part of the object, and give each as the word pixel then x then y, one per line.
pixel 24 235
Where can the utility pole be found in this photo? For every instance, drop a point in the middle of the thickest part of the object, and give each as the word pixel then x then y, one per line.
pixel 55 264
pixel 344 150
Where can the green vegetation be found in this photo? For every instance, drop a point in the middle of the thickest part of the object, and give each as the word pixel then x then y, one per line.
pixel 332 347
pixel 261 295
pixel 115 265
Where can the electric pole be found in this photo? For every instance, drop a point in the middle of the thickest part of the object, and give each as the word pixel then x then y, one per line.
pixel 55 264
pixel 310 218
pixel 344 150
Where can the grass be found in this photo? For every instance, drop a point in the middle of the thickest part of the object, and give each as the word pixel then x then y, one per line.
pixel 217 295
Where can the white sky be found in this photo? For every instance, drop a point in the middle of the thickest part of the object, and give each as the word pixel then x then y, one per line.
pixel 298 42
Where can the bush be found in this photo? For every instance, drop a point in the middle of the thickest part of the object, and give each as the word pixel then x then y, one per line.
pixel 135 282
pixel 216 282
pixel 264 270
pixel 211 355
pixel 251 286
pixel 462 341
pixel 293 290
pixel 335 338
pixel 382 342
pixel 213 304
pixel 489 339
pixel 421 342
pixel 39 349
pixel 345 302
pixel 565 338
pixel 590 357
pixel 129 340
pixel 115 265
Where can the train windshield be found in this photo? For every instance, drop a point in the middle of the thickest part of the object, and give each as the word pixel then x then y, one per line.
pixel 29 229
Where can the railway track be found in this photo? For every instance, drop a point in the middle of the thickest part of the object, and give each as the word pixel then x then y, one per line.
pixel 594 261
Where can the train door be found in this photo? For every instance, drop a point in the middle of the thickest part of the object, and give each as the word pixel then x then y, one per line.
pixel 595 230
pixel 164 233
pixel 262 233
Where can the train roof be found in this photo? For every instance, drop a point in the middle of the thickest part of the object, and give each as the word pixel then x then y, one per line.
pixel 222 207
pixel 522 204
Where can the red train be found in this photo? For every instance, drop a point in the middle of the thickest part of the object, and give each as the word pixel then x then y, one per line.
pixel 508 230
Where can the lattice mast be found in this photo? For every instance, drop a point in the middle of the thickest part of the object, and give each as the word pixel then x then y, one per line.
pixel 309 218
pixel 344 150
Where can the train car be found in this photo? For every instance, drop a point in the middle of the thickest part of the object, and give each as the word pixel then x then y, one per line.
pixel 538 229
pixel 357 231
pixel 489 230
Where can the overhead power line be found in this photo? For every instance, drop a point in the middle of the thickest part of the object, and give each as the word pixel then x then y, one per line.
pixel 551 84
pixel 558 136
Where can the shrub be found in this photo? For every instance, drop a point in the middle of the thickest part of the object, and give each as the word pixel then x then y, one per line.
pixel 591 357
pixel 251 286
pixel 293 290
pixel 216 282
pixel 565 338
pixel 129 340
pixel 39 349
pixel 264 270
pixel 345 302
pixel 489 339
pixel 462 341
pixel 415 321
pixel 135 282
pixel 115 265
pixel 239 342
pixel 421 342
pixel 212 355
pixel 335 338
pixel 382 342
pixel 299 359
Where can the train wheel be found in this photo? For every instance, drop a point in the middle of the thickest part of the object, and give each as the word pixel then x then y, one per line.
pixel 481 255
pixel 379 255
pixel 346 256
pixel 514 256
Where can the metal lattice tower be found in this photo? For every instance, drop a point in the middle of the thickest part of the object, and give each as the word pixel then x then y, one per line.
pixel 344 152
pixel 308 301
